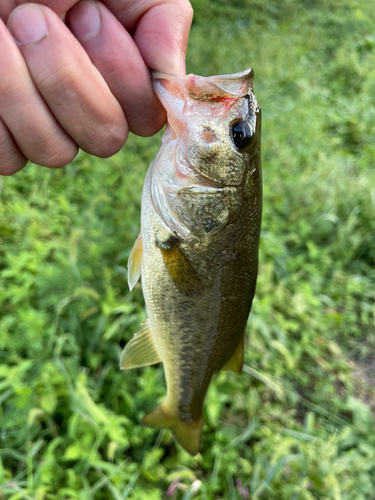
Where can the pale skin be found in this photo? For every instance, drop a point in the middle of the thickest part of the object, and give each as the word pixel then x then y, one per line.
pixel 75 74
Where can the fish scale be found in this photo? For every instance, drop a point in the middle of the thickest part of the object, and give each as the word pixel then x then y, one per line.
pixel 198 247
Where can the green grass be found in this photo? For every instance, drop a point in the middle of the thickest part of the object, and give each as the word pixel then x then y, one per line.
pixel 298 423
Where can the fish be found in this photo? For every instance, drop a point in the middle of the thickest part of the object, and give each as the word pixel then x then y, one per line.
pixel 197 250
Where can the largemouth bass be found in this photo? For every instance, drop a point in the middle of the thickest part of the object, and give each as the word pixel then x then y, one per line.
pixel 198 246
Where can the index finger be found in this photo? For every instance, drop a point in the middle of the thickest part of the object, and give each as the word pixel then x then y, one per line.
pixel 160 30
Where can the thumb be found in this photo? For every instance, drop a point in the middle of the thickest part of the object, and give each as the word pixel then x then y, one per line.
pixel 162 35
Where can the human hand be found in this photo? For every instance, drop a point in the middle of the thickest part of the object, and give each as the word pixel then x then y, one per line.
pixel 62 89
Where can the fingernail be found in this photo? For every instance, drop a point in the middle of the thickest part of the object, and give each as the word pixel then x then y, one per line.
pixel 183 64
pixel 84 20
pixel 27 24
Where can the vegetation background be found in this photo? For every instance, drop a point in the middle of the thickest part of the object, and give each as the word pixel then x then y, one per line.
pixel 298 424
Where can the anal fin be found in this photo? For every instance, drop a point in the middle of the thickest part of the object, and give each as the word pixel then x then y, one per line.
pixel 135 262
pixel 235 363
pixel 140 350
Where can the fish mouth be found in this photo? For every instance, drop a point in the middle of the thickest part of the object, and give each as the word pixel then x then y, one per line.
pixel 190 96
pixel 210 88
pixel 185 96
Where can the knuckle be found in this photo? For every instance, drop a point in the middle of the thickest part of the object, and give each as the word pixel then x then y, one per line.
pixel 100 126
pixel 59 157
pixel 50 146
pixel 60 84
pixel 149 125
pixel 11 165
pixel 10 94
pixel 108 141
pixel 11 158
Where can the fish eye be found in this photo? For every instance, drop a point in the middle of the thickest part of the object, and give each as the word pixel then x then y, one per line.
pixel 241 134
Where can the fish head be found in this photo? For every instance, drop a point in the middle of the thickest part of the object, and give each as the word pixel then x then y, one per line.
pixel 214 123
pixel 208 166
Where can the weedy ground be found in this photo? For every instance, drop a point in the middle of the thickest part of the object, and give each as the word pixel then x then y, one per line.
pixel 298 424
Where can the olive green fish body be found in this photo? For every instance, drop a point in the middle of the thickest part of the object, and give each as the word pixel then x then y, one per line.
pixel 200 227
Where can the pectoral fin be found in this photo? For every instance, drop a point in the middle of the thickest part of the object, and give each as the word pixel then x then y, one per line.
pixel 140 350
pixel 179 268
pixel 236 361
pixel 135 262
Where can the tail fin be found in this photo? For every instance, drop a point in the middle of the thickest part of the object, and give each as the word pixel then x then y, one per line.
pixel 188 434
